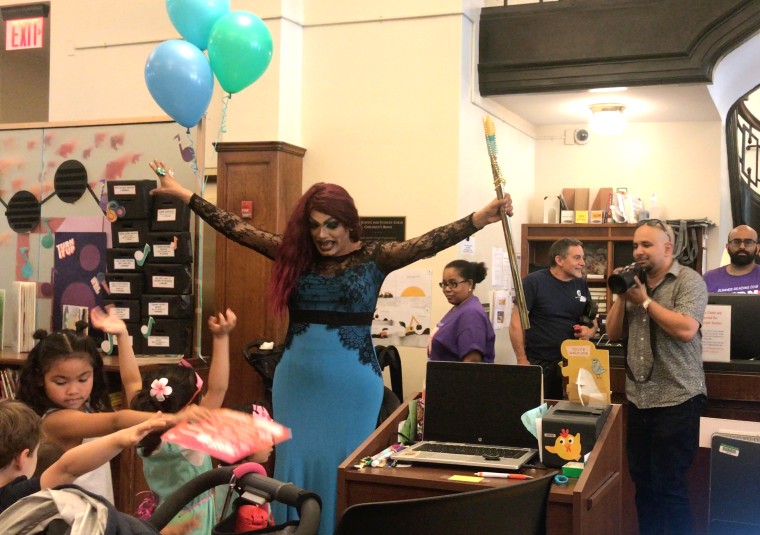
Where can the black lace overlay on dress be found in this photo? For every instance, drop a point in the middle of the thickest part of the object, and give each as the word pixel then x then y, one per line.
pixel 346 284
pixel 234 228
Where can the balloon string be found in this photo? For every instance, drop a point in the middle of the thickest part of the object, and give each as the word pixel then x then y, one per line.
pixel 223 124
pixel 194 165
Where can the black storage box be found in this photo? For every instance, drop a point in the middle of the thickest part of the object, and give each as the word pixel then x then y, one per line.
pixel 172 279
pixel 167 337
pixel 170 248
pixel 128 310
pixel 569 431
pixel 169 214
pixel 131 199
pixel 130 233
pixel 125 285
pixel 133 329
pixel 123 260
pixel 167 306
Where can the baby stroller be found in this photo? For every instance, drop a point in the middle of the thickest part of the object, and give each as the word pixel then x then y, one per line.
pixel 70 510
pixel 245 481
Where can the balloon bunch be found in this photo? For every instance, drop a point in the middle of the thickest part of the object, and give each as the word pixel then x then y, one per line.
pixel 179 76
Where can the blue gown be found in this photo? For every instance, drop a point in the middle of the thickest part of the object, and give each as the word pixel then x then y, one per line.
pixel 328 387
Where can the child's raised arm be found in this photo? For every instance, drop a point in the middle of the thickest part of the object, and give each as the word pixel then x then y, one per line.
pixel 129 371
pixel 219 371
pixel 87 457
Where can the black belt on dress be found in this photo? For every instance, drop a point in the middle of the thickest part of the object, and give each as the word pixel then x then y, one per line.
pixel 334 319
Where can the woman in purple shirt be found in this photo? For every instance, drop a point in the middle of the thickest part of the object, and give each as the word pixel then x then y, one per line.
pixel 465 333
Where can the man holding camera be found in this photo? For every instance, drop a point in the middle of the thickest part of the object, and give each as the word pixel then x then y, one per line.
pixel 665 383
pixel 742 275
pixel 557 298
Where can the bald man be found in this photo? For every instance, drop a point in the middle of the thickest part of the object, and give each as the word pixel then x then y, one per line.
pixel 742 275
pixel 665 383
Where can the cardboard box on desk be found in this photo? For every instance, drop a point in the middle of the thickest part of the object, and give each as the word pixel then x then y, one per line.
pixel 587 370
pixel 167 306
pixel 127 310
pixel 170 248
pixel 110 345
pixel 125 285
pixel 170 279
pixel 170 214
pixel 123 260
pixel 132 233
pixel 130 199
pixel 569 431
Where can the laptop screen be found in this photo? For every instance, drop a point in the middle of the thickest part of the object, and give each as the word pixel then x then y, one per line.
pixel 479 403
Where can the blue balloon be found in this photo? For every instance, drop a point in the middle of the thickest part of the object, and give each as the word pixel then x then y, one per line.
pixel 180 80
pixel 193 19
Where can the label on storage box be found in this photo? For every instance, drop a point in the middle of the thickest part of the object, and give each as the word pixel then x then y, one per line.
pixel 158 309
pixel 120 312
pixel 163 281
pixel 166 214
pixel 131 236
pixel 125 189
pixel 163 251
pixel 124 263
pixel 158 341
pixel 120 287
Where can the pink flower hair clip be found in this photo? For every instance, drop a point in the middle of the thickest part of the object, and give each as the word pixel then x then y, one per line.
pixel 160 389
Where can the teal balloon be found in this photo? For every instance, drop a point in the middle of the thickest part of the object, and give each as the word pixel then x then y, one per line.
pixel 239 50
pixel 180 80
pixel 194 19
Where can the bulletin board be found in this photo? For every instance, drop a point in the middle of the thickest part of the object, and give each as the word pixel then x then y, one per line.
pixel 53 180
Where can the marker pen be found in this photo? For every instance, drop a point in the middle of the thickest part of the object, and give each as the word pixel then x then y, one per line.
pixel 378 459
pixel 499 475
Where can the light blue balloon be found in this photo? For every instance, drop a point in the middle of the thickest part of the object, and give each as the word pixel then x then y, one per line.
pixel 193 19
pixel 180 80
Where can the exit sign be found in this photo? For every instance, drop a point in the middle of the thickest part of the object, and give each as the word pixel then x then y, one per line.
pixel 24 33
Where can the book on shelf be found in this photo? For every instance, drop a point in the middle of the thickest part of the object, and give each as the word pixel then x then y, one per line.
pixel 27 315
pixel 8 383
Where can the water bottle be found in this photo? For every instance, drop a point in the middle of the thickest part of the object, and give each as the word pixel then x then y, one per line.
pixel 654 208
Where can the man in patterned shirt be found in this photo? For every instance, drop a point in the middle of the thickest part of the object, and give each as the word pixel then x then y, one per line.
pixel 665 382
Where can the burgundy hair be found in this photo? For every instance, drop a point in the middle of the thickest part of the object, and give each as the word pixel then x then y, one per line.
pixel 297 251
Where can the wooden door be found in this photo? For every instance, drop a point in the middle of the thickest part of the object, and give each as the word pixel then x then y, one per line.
pixel 270 175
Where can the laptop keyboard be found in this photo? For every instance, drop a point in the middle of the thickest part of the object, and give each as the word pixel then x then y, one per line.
pixel 504 453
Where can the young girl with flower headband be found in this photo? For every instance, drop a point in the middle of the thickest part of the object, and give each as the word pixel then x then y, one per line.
pixel 171 389
pixel 64 382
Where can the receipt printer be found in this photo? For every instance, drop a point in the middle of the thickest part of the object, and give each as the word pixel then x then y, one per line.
pixel 569 431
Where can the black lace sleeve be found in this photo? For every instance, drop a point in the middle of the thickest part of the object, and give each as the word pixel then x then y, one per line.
pixel 395 255
pixel 235 228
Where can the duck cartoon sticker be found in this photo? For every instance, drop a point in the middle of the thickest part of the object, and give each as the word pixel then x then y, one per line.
pixel 566 446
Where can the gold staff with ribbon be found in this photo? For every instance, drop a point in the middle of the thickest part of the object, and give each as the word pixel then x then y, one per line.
pixel 498 183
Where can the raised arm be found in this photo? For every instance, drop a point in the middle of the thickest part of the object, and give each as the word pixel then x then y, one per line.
pixel 226 223
pixel 219 372
pixel 395 255
pixel 129 370
pixel 87 457
pixel 517 336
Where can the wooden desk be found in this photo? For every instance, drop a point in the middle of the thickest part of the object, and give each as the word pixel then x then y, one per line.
pixel 589 505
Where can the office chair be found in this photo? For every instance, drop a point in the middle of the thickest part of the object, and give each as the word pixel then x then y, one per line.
pixel 518 509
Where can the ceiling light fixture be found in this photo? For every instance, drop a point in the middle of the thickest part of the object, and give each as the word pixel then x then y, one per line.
pixel 607 119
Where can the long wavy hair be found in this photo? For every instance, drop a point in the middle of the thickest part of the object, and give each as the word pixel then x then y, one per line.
pixel 297 250
pixel 64 344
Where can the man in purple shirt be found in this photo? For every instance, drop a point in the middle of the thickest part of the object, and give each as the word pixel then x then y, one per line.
pixel 742 275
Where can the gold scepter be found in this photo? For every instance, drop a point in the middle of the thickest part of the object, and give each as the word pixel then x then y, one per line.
pixel 498 183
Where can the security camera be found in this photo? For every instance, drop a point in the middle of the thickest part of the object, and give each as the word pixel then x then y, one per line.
pixel 581 136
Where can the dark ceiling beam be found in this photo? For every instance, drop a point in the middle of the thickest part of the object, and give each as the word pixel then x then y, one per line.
pixel 572 45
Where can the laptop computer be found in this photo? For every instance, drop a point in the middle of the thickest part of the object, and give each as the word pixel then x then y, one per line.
pixel 472 415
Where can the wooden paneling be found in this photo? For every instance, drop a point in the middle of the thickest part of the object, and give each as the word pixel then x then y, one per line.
pixel 269 174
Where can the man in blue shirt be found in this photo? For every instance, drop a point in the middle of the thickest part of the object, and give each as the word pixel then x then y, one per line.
pixel 555 298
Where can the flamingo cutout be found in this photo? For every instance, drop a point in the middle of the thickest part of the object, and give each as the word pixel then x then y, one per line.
pixel 188 153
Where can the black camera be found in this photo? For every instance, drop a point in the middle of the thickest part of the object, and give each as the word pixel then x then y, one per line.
pixel 620 282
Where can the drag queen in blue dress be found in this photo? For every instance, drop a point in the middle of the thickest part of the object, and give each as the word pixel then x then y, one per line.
pixel 328 387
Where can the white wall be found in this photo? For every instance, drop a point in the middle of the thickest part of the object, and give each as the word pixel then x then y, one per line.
pixel 680 162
